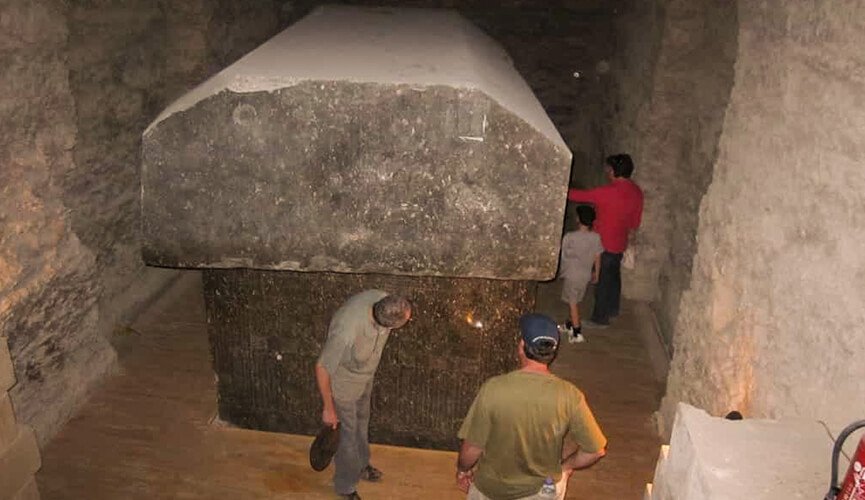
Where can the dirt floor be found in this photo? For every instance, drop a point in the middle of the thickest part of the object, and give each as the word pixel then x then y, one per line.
pixel 149 431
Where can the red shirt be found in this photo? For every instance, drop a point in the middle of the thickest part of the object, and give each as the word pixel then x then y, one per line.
pixel 619 208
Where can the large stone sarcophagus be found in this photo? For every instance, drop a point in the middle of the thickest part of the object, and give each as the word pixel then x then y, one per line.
pixel 359 148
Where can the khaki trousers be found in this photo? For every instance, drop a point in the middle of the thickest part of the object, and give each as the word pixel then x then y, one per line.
pixel 561 488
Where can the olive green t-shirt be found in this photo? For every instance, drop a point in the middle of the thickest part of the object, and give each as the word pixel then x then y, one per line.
pixel 520 419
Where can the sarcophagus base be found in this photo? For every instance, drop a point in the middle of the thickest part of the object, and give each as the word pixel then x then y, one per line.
pixel 267 329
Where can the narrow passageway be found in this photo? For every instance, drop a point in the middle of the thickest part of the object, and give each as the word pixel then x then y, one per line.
pixel 147 433
pixel 614 370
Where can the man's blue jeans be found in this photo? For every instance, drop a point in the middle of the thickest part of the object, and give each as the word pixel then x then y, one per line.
pixel 608 291
pixel 353 452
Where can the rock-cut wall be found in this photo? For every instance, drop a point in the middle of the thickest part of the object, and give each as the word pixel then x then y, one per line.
pixel 671 84
pixel 49 282
pixel 774 323
pixel 80 81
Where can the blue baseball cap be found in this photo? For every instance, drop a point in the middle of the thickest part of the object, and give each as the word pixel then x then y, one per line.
pixel 538 329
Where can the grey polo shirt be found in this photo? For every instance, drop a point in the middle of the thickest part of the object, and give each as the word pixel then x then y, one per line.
pixel 354 345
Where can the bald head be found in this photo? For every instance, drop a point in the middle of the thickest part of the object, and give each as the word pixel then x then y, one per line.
pixel 392 311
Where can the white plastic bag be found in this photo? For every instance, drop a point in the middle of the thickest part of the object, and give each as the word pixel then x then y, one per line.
pixel 629 258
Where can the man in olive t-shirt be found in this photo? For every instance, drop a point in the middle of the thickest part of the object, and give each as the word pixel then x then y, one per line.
pixel 515 430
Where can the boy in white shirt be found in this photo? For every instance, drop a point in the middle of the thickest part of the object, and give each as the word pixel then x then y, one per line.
pixel 580 262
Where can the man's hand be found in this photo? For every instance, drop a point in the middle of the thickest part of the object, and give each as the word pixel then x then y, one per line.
pixel 594 277
pixel 468 456
pixel 465 479
pixel 582 460
pixel 328 416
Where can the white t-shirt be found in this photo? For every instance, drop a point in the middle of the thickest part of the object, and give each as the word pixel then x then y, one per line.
pixel 579 249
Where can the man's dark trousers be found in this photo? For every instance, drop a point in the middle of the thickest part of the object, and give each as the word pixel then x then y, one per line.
pixel 609 288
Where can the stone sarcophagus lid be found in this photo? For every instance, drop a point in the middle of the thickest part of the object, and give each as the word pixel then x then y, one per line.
pixel 359 145
pixel 394 141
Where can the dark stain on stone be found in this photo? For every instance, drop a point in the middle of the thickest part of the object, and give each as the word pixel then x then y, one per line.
pixel 33 372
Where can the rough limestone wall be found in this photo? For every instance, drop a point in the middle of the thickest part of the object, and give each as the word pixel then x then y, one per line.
pixel 674 73
pixel 773 323
pixel 111 67
pixel 49 283
pixel 80 82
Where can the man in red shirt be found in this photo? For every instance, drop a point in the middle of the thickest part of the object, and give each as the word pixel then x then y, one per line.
pixel 619 208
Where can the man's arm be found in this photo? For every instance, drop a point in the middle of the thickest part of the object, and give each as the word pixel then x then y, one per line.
pixel 582 460
pixel 475 429
pixel 338 340
pixel 328 414
pixel 468 457
pixel 584 434
pixel 582 195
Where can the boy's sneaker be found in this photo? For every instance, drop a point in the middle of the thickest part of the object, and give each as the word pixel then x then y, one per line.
pixel 575 335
